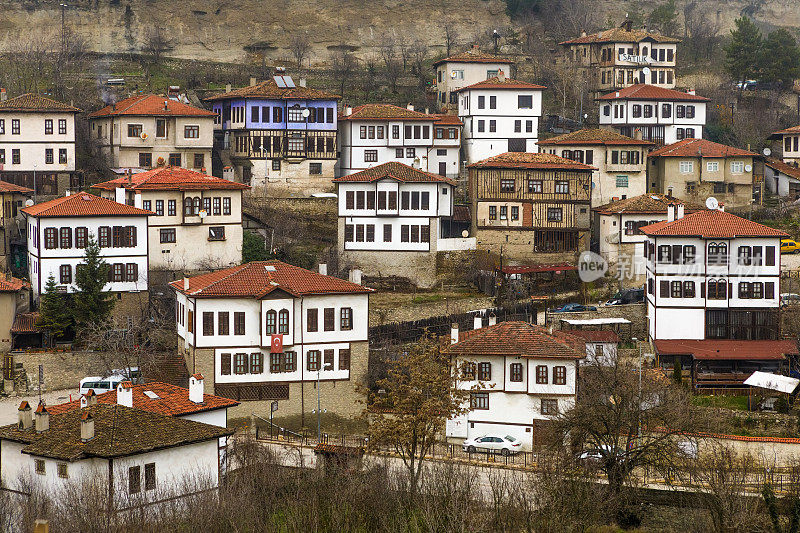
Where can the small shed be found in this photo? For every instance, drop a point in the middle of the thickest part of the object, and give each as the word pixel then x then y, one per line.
pixel 334 457
pixel 621 326
pixel 775 383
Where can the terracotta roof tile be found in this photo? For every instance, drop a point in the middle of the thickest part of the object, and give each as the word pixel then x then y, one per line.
pixel 118 431
pixel 474 55
pixel 269 89
pixel 24 406
pixel 788 131
pixel 83 204
pixel 790 170
pixel 461 213
pixel 724 349
pixel 513 338
pixel 25 323
pixel 507 83
pixel 394 170
pixel 711 224
pixel 448 120
pixel 151 105
pixel 11 187
pixel 385 111
pixel 170 179
pixel 171 400
pixel 699 147
pixel 595 136
pixel 642 91
pixel 530 160
pixel 259 278
pixel 13 284
pixel 33 103
pixel 621 35
pixel 594 335
pixel 646 203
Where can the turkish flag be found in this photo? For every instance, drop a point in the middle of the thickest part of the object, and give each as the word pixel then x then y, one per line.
pixel 277 343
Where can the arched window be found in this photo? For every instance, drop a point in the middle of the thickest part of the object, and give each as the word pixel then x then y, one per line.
pixel 187 207
pixel 717 253
pixel 196 205
pixel 283 322
pixel 271 319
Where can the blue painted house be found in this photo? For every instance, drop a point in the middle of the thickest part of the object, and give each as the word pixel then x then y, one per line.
pixel 277 135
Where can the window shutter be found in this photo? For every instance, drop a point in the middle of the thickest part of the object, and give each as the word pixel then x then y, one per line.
pixel 344 359
pixel 702 289
pixel 328 359
pixel 329 319
pixel 664 289
pixel 769 290
pixel 730 290
pixel 312 320
pixel 770 256
pixel 225 364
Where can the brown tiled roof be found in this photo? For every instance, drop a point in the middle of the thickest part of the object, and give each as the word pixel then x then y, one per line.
pixel 699 147
pixel 512 338
pixel 643 91
pixel 724 349
pixel 269 89
pixel 259 278
pixel 646 203
pixel 151 105
pixel 507 83
pixel 83 204
pixel 448 120
pixel 118 431
pixel 790 170
pixel 474 55
pixel 595 335
pixel 621 35
pixel 11 187
pixel 594 136
pixel 530 160
pixel 171 179
pixel 711 224
pixel 396 171
pixel 384 112
pixel 13 284
pixel 788 131
pixel 25 323
pixel 171 400
pixel 34 103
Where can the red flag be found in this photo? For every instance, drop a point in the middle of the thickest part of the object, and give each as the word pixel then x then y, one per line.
pixel 277 343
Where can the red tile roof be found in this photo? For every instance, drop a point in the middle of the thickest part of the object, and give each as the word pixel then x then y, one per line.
pixel 595 136
pixel 11 187
pixel 269 89
pixel 386 112
pixel 171 400
pixel 507 83
pixel 788 131
pixel 711 224
pixel 593 335
pixel 642 91
pixel 33 103
pixel 620 35
pixel 513 338
pixel 396 171
pixel 790 170
pixel 646 203
pixel 25 323
pixel 473 55
pixel 170 179
pixel 83 204
pixel 724 349
pixel 259 278
pixel 13 284
pixel 151 105
pixel 529 160
pixel 448 120
pixel 698 148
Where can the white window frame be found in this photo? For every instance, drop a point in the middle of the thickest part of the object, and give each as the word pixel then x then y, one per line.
pixel 686 167
pixel 737 167
pixel 712 166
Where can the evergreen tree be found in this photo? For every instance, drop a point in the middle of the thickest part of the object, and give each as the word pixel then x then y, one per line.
pixel 664 18
pixel 54 310
pixel 780 58
pixel 253 247
pixel 677 372
pixel 743 53
pixel 91 303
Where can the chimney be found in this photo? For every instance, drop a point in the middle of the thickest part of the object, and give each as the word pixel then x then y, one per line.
pixel 186 284
pixel 477 321
pixel 252 81
pixel 302 82
pixel 166 108
pixel 89 399
pixel 24 414
pixel 196 388
pixel 323 269
pixel 125 394
pixel 348 111
pixel 427 110
pixel 679 212
pixel 501 76
pixel 42 418
pixel 137 200
pixel 617 96
pixel 690 91
pixel 67 192
pixel 87 426
pixel 355 276
pixel 722 207
pixel 227 87
pixel 129 174
pixel 119 195
pixel 3 95
pixel 475 47
pixel 410 107
pixel 671 212
pixel 583 33
pixel 492 319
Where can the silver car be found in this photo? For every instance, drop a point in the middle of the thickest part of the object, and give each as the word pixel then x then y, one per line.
pixel 502 444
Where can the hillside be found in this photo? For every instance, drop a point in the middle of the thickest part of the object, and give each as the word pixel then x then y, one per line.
pixel 221 30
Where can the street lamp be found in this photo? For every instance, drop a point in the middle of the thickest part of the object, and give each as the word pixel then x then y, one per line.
pixel 641 363
pixel 34 183
pixel 319 412
pixel 496 37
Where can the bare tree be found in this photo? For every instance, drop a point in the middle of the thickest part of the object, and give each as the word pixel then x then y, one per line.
pixel 701 34
pixel 405 49
pixel 156 43
pixel 300 45
pixel 343 65
pixel 392 65
pixel 450 36
pixel 419 53
pixel 565 19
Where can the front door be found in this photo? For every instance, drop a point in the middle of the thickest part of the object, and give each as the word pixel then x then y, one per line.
pixel 442 168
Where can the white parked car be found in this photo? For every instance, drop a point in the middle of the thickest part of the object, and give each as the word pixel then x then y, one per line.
pixel 99 384
pixel 505 445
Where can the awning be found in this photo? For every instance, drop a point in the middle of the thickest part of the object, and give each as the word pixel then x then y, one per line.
pixel 727 349
pixel 776 382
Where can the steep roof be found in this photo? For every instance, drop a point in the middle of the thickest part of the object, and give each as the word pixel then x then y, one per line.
pixel 269 89
pixel 12 187
pixel 594 136
pixel 711 224
pixel 529 160
pixel 725 349
pixel 645 203
pixel 33 103
pixel 643 91
pixel 506 83
pixel 386 111
pixel 83 204
pixel 12 284
pixel 776 164
pixel 513 338
pixel 698 148
pixel 473 55
pixel 448 120
pixel 171 179
pixel 170 400
pixel 788 131
pixel 118 431
pixel 25 323
pixel 621 35
pixel 151 105
pixel 259 278
pixel 396 171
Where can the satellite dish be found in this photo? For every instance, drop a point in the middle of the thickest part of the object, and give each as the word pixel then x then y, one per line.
pixel 646 71
pixel 767 152
pixel 28 202
pixel 748 168
pixel 712 203
pixel 465 234
pixel 306 113
pixel 203 213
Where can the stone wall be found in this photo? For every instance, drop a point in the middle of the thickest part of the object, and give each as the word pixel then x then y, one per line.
pixel 62 370
pixel 636 313
pixel 293 179
pixel 517 245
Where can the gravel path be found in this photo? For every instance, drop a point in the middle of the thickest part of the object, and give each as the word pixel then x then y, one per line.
pixel 10 404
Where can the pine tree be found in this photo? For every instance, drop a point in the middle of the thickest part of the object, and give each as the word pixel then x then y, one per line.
pixel 780 58
pixel 91 303
pixel 677 372
pixel 54 310
pixel 743 53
